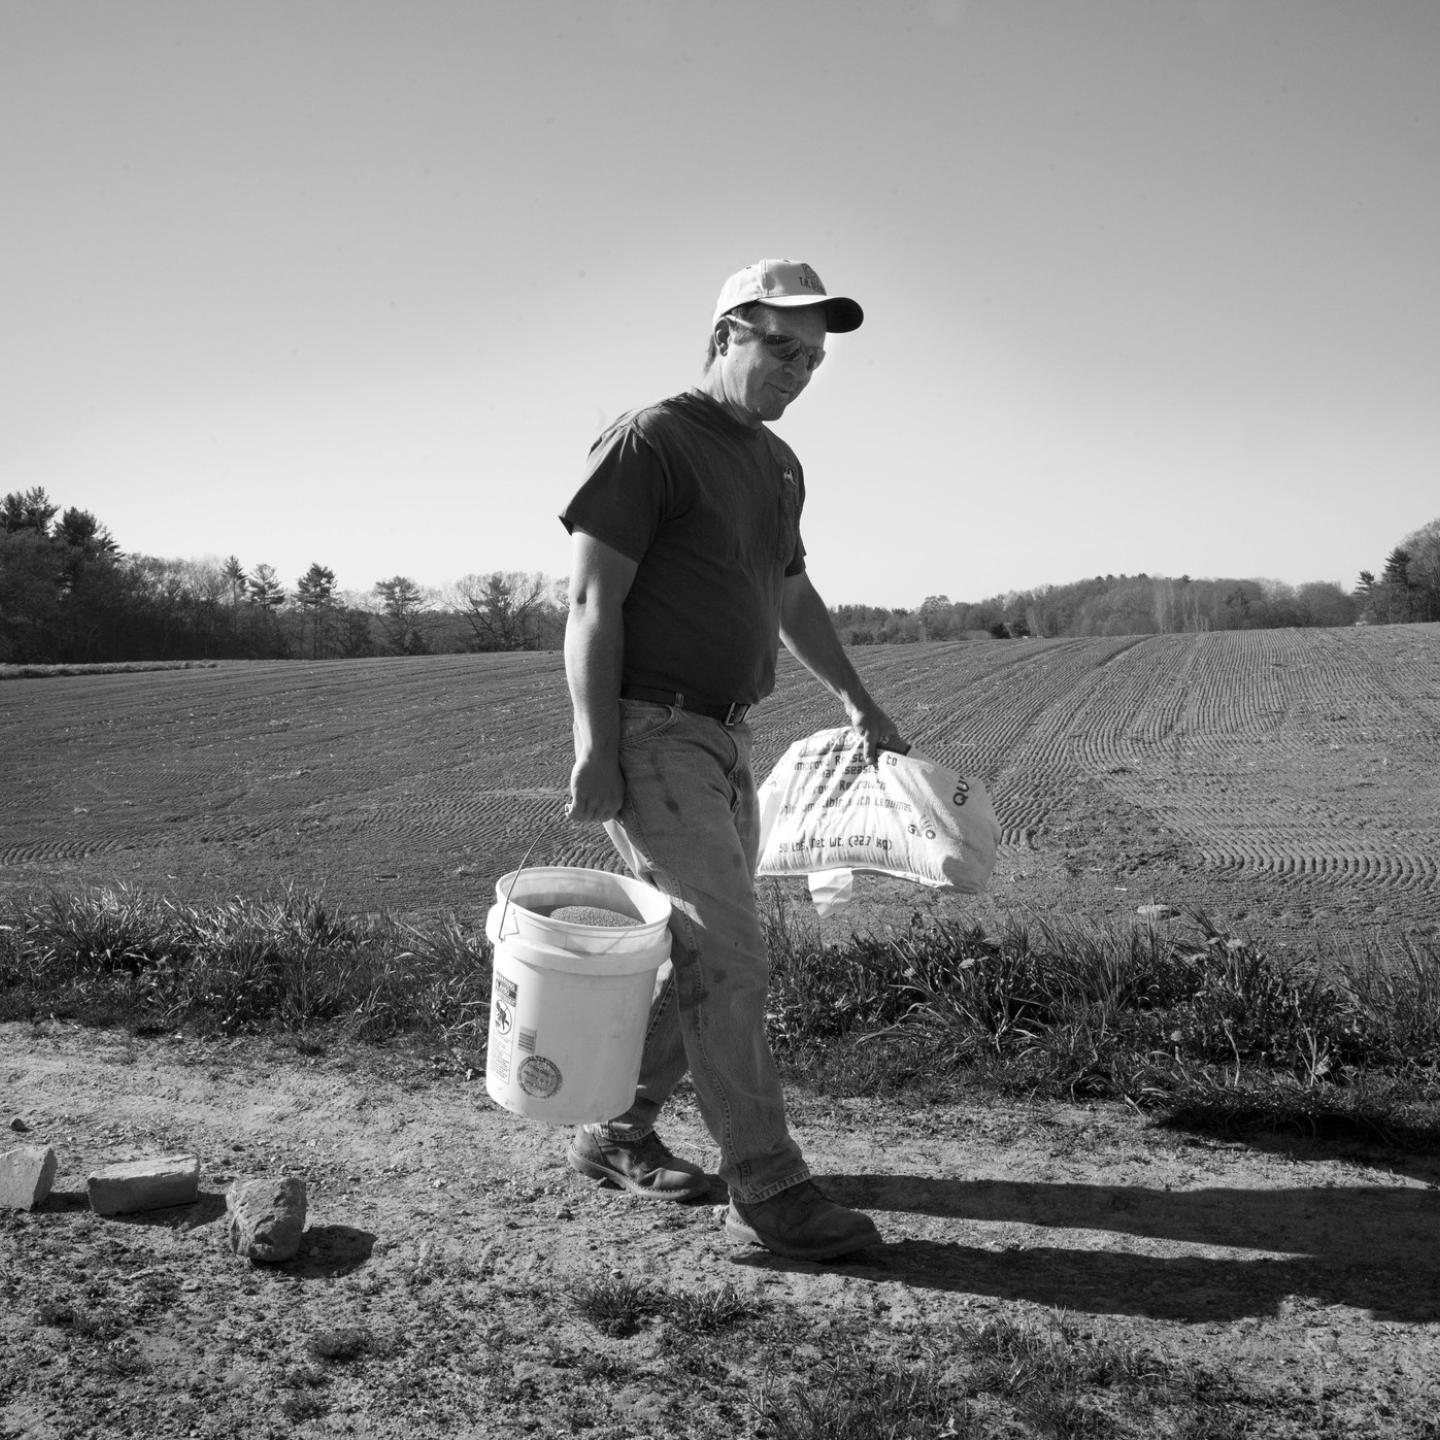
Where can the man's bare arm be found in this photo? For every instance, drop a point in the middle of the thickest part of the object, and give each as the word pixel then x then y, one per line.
pixel 600 579
pixel 809 635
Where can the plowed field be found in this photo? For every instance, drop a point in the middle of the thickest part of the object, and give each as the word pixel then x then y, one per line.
pixel 1286 781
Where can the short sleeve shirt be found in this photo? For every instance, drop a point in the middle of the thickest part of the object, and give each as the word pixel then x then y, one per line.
pixel 709 509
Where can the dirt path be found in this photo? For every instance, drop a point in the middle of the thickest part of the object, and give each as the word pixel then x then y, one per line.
pixel 447 1232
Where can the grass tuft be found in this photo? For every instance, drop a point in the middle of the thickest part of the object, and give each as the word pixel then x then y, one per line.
pixel 1042 1378
pixel 858 1396
pixel 340 1346
pixel 620 1307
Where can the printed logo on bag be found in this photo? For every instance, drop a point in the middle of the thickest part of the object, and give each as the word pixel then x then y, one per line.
pixel 823 810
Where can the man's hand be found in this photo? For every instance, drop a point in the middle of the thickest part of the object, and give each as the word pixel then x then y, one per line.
pixel 877 732
pixel 597 791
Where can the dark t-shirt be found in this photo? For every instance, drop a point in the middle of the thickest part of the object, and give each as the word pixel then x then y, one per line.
pixel 710 511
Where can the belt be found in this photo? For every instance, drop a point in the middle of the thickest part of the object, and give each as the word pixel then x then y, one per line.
pixel 727 715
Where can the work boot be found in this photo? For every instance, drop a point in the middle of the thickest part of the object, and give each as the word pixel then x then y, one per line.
pixel 801 1223
pixel 644 1167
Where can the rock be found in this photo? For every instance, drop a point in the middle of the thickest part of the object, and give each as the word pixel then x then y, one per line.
pixel 266 1218
pixel 153 1184
pixel 19 1126
pixel 26 1175
pixel 1156 912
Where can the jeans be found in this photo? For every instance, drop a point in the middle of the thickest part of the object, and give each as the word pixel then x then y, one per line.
pixel 690 826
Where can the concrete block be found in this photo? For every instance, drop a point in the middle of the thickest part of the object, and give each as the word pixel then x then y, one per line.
pixel 26 1175
pixel 145 1184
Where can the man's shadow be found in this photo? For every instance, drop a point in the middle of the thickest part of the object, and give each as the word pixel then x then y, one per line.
pixel 1394 1144
pixel 1371 1247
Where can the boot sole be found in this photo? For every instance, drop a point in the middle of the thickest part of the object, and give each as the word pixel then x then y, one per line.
pixel 737 1229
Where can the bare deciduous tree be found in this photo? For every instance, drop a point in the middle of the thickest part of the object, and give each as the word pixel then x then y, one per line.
pixel 505 608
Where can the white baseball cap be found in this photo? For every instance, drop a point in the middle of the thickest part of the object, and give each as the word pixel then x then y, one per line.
pixel 788 284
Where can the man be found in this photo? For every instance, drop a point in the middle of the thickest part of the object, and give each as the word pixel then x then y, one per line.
pixel 687 569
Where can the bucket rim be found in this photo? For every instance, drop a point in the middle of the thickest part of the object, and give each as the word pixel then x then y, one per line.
pixel 648 904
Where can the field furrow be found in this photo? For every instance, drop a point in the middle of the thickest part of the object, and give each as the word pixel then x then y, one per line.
pixel 1305 759
pixel 39 852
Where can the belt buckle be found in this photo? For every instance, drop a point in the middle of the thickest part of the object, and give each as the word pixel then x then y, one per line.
pixel 734 714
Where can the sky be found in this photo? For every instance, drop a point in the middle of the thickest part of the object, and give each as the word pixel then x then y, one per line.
pixel 1149 287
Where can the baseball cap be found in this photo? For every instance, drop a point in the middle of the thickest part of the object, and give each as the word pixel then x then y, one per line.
pixel 788 284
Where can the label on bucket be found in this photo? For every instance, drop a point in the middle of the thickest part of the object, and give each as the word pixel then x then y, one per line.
pixel 502 1024
pixel 540 1077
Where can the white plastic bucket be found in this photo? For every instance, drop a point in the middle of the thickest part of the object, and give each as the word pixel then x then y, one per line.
pixel 569 1002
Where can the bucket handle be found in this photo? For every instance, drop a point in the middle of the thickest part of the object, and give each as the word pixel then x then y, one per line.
pixel 500 930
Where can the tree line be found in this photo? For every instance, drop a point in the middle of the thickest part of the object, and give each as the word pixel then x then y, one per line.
pixel 1406 589
pixel 69 595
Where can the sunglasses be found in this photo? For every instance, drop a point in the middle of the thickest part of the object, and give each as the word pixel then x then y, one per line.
pixel 785 348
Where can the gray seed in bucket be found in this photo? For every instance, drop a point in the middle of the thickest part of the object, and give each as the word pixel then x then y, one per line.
pixel 591 915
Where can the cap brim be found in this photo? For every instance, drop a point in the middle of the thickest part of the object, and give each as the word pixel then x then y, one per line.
pixel 841 312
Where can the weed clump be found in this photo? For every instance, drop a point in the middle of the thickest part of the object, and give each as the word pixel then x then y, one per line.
pixel 118 956
pixel 1189 1021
